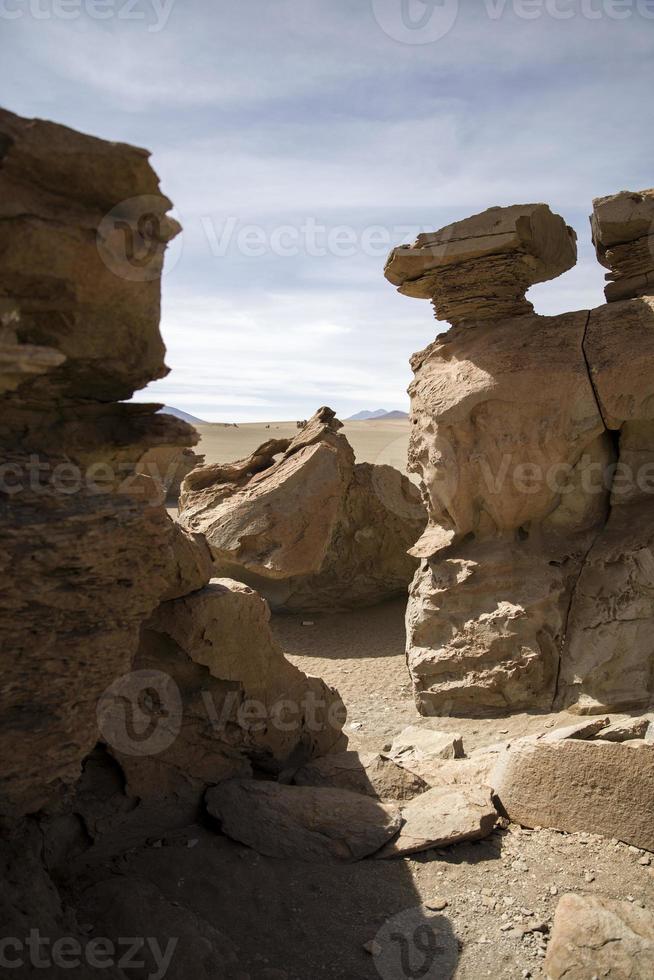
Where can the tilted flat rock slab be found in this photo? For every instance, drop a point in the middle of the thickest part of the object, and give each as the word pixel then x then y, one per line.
pixel 417 748
pixel 361 772
pixel 573 785
pixel 599 937
pixel 441 817
pixel 302 822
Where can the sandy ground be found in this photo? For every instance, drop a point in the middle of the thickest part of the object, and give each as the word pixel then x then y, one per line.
pixel 373 442
pixel 291 921
pixel 286 920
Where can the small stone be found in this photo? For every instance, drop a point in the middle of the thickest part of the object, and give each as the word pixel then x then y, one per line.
pixel 589 877
pixel 193 842
pixel 554 890
pixel 519 866
pixel 372 947
pixel 645 861
pixel 308 622
pixel 436 904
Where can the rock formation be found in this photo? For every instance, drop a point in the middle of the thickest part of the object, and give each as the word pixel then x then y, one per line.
pixel 533 440
pixel 131 680
pixel 168 466
pixel 303 524
pixel 623 235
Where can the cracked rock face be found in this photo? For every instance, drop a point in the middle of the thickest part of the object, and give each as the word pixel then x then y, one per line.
pixel 533 438
pixel 306 526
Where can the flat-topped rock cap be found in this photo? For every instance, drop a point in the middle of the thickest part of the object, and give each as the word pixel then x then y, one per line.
pixel 529 231
pixel 622 217
pixel 623 235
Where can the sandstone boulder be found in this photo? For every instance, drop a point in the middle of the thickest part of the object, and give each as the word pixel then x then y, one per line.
pixel 86 548
pixel 577 785
pixel 599 937
pixel 443 816
pixel 416 748
pixel 169 466
pixel 301 822
pixel 361 772
pixel 623 235
pixel 482 266
pixel 304 525
pixel 225 696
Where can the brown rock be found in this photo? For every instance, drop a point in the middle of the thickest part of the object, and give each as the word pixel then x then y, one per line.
pixel 482 266
pixel 227 696
pixel 301 822
pixel 418 747
pixel 357 522
pixel 169 466
pixel 441 817
pixel 573 785
pixel 595 936
pixel 361 772
pixel 86 547
pixel 623 235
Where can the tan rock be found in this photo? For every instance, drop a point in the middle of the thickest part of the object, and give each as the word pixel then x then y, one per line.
pixel 357 522
pixel 627 729
pixel 505 424
pixel 441 817
pixel 482 266
pixel 623 235
pixel 418 748
pixel 485 625
pixel 301 822
pixel 574 785
pixel 361 772
pixel 169 466
pixel 597 936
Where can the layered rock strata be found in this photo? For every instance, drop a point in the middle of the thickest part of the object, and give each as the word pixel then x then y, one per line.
pixel 532 437
pixel 304 524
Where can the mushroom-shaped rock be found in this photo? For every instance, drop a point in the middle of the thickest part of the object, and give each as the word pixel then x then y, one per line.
pixel 482 266
pixel 623 235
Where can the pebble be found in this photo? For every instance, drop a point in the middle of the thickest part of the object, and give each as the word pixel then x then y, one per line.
pixel 589 877
pixel 308 622
pixel 436 904
pixel 372 947
pixel 554 890
pixel 645 861
pixel 519 866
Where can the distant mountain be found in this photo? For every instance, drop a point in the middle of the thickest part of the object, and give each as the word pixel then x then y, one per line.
pixel 184 416
pixel 380 413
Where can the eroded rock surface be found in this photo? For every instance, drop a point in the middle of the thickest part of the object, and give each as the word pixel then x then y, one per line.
pixel 305 525
pixel 580 785
pixel 623 235
pixel 599 937
pixel 87 550
pixel 533 438
pixel 303 822
pixel 482 266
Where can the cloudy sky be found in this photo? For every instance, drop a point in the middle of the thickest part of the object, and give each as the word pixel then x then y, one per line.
pixel 300 139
